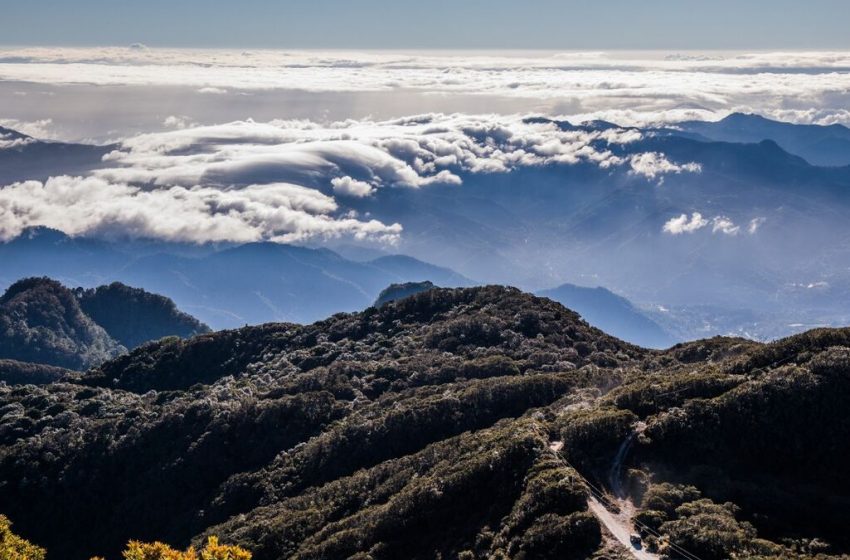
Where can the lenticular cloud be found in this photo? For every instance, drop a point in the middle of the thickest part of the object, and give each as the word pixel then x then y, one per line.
pixel 290 181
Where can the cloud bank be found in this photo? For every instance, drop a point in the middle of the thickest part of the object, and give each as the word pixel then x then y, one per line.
pixel 630 88
pixel 294 180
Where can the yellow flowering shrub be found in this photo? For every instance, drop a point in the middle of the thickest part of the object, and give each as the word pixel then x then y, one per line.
pixel 159 551
pixel 13 547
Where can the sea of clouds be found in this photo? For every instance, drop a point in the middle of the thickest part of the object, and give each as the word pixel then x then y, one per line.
pixel 289 181
pixel 193 175
pixel 629 88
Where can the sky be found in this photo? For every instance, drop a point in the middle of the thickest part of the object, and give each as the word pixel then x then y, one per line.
pixel 452 24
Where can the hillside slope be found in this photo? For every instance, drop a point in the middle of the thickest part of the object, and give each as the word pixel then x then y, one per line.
pixel 428 427
pixel 43 322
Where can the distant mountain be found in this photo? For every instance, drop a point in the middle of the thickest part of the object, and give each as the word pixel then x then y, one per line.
pixel 395 292
pixel 23 157
pixel 248 284
pixel 43 322
pixel 763 225
pixel 817 144
pixel 613 314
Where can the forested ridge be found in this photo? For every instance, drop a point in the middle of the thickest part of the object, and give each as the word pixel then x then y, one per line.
pixel 43 322
pixel 424 428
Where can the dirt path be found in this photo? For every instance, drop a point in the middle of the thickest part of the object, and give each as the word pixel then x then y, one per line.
pixel 618 524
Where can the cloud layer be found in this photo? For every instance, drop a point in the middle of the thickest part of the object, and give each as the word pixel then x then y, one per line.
pixel 291 180
pixel 630 88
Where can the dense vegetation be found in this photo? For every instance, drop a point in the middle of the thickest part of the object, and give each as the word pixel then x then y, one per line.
pixel 400 291
pixel 45 323
pixel 431 427
pixel 41 321
pixel 133 316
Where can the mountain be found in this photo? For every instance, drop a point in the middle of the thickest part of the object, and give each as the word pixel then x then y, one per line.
pixel 818 144
pixel 459 423
pixel 611 313
pixel 23 157
pixel 722 218
pixel 394 292
pixel 133 316
pixel 43 322
pixel 224 287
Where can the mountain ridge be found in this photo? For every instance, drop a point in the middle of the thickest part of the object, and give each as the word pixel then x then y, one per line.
pixel 428 426
pixel 47 324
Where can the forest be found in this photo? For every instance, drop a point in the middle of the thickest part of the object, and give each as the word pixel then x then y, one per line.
pixel 453 423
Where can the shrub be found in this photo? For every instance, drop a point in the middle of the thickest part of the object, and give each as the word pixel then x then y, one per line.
pixel 13 547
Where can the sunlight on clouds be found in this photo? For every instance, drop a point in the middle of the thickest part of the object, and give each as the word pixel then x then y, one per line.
pixel 719 224
pixel 84 206
pixel 247 181
pixel 631 88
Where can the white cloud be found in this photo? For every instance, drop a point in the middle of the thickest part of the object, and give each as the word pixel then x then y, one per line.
pixel 755 224
pixel 247 180
pixel 719 224
pixel 413 152
pixel 9 141
pixel 278 212
pixel 634 88
pixel 724 225
pixel 684 224
pixel 177 121
pixel 41 129
pixel 653 164
pixel 346 186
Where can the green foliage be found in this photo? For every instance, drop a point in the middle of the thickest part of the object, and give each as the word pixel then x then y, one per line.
pixel 591 437
pixel 394 292
pixel 41 321
pixel 23 373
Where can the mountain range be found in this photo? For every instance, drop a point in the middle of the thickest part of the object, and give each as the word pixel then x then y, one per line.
pixel 457 423
pixel 753 215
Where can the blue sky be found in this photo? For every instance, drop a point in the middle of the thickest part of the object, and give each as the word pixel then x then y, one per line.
pixel 505 24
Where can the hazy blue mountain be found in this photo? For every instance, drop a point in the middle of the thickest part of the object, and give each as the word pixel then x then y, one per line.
pixel 31 158
pixel 263 282
pixel 613 314
pixel 247 284
pixel 405 267
pixel 786 237
pixel 395 292
pixel 817 144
